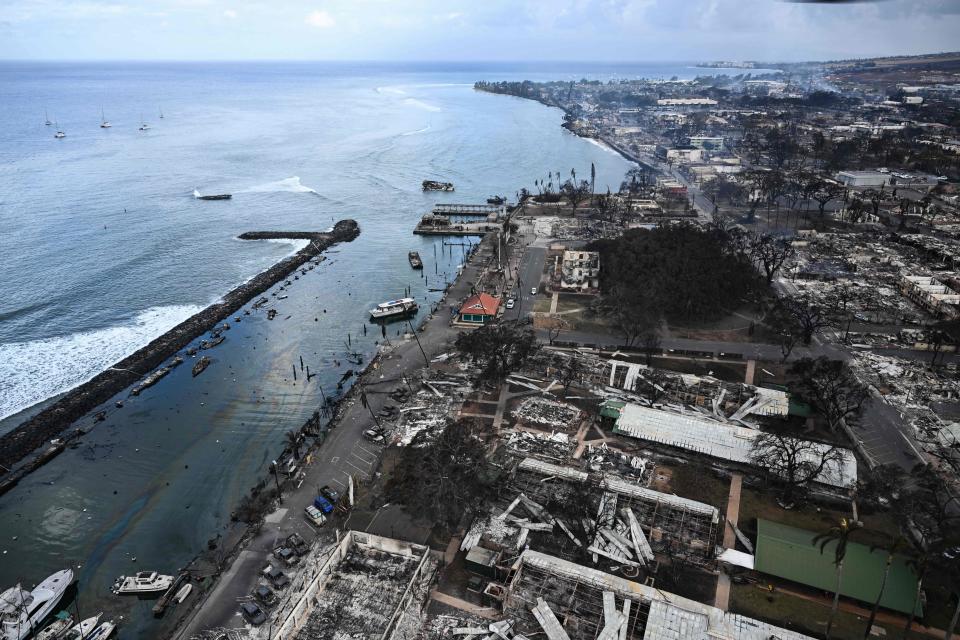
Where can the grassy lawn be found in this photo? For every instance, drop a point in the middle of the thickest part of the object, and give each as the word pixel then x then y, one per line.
pixel 541 304
pixel 801 615
pixel 699 483
pixel 754 504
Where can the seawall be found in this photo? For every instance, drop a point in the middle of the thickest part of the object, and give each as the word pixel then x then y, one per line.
pixel 53 420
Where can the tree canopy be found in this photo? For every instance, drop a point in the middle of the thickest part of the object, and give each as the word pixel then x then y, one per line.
pixel 683 272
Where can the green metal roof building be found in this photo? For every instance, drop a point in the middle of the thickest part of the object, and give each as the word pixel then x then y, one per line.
pixel 788 552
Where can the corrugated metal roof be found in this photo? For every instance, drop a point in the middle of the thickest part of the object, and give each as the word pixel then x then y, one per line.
pixel 671 617
pixel 725 441
pixel 788 552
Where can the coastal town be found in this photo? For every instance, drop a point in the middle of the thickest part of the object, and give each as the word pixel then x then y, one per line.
pixel 721 401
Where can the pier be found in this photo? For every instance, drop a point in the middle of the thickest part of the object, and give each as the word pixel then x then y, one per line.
pixel 484 210
pixel 434 225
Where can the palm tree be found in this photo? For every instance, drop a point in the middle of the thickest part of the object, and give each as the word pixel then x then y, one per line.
pixel 897 544
pixel 919 563
pixel 292 440
pixel 839 534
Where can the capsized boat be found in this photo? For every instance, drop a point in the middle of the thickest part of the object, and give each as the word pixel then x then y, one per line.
pixel 84 629
pixel 183 593
pixel 142 582
pixel 435 185
pixel 22 611
pixel 212 196
pixel 399 307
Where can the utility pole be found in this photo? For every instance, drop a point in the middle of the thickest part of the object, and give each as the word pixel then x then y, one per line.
pixel 417 338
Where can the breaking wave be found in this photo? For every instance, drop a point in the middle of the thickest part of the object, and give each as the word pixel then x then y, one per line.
pixel 413 133
pixel 31 372
pixel 422 105
pixel 289 185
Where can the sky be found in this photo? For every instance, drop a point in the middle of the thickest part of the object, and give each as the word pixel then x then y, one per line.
pixel 473 30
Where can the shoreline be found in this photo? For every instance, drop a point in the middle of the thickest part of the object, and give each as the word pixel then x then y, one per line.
pixel 51 421
pixel 626 155
pixel 241 535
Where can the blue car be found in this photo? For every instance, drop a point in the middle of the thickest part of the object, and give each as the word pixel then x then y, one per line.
pixel 323 504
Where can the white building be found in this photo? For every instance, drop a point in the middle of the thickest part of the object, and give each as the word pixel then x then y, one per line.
pixel 580 270
pixel 686 102
pixel 863 178
pixel 710 143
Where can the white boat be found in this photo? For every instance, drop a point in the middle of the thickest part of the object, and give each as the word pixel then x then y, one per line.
pixel 59 133
pixel 143 582
pixel 183 593
pixel 83 630
pixel 55 629
pixel 143 125
pixel 102 632
pixel 21 611
pixel 398 307
pixel 103 120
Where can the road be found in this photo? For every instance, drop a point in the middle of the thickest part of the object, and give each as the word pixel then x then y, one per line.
pixel 342 454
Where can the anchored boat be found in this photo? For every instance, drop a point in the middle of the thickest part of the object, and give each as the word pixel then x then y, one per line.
pixel 84 629
pixel 22 611
pixel 390 308
pixel 142 583
pixel 57 628
pixel 415 260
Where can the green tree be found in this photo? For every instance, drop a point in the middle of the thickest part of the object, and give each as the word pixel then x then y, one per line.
pixel 499 349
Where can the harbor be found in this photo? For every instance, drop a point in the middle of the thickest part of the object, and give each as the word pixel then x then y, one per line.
pixel 153 484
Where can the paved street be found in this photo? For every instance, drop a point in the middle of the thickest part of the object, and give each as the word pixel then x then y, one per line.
pixel 344 453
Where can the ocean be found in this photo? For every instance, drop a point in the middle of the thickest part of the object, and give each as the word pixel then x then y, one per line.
pixel 103 247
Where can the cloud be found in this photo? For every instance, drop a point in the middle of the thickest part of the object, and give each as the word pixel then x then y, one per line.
pixel 320 20
pixel 230 13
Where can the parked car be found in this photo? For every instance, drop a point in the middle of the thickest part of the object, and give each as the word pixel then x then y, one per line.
pixel 323 504
pixel 533 291
pixel 510 303
pixel 286 555
pixel 296 542
pixel 373 436
pixel 315 516
pixel 253 614
pixel 265 594
pixel 276 577
pixel 330 494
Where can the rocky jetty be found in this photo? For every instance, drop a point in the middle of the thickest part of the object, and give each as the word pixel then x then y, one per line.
pixel 75 404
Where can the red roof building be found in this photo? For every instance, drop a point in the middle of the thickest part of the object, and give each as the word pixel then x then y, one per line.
pixel 479 309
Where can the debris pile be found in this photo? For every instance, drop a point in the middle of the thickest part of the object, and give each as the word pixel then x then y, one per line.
pixel 543 413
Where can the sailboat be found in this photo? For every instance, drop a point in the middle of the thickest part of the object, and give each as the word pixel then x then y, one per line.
pixel 143 125
pixel 59 133
pixel 161 114
pixel 46 118
pixel 103 120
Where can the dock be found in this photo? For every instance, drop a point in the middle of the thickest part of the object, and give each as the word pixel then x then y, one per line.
pixel 483 210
